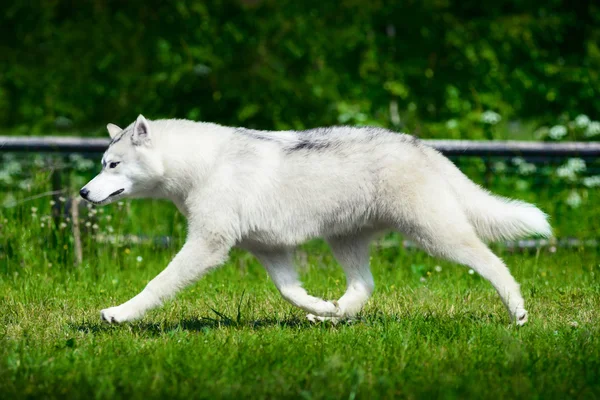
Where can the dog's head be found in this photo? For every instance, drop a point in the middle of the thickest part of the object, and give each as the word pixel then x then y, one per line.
pixel 131 166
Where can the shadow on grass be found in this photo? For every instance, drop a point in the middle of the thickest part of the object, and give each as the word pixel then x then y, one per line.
pixel 437 325
pixel 203 324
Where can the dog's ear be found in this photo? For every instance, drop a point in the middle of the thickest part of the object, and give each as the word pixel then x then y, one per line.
pixel 113 130
pixel 141 131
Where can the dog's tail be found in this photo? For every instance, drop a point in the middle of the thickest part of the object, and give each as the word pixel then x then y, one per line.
pixel 493 217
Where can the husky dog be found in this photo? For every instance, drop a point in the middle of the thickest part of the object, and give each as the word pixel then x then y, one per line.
pixel 268 192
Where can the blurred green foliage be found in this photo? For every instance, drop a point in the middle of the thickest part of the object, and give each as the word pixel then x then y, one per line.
pixel 296 64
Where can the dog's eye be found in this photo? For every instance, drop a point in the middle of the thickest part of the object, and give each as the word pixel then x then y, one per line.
pixel 113 164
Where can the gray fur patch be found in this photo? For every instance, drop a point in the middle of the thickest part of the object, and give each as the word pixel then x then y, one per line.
pixel 117 138
pixel 254 134
pixel 309 144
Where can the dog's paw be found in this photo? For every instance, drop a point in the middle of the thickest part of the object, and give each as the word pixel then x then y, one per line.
pixel 315 319
pixel 334 320
pixel 521 316
pixel 117 315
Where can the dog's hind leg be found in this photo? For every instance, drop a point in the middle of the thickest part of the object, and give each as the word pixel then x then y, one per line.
pixel 352 252
pixel 279 265
pixel 458 242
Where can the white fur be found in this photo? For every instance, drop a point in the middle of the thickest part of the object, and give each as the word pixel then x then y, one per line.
pixel 268 192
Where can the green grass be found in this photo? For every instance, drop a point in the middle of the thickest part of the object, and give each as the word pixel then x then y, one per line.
pixel 423 334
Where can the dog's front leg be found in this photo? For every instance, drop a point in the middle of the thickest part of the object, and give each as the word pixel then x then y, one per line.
pixel 195 258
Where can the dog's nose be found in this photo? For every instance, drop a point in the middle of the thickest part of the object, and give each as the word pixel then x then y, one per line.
pixel 84 193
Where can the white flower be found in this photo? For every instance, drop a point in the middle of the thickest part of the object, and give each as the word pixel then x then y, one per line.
pixel 452 124
pixel 95 226
pixel 557 132
pixel 62 199
pixel 574 199
pixel 52 202
pixel 437 268
pixel 471 272
pixel 582 121
pixel 593 129
pixel 88 224
pixel 499 166
pixel 518 160
pixel 592 181
pixel 34 209
pixel 490 117
pixel 422 279
pixel 139 259
pixel 576 164
pixel 571 168
pixel 62 225
pixel 527 168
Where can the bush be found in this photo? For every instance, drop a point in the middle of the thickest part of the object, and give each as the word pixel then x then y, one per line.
pixel 281 64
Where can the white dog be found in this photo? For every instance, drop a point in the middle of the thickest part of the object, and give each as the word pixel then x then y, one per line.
pixel 268 192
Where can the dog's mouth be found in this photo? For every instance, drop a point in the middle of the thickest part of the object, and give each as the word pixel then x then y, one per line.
pixel 116 193
pixel 113 194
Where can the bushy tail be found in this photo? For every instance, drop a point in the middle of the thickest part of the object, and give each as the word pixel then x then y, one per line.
pixel 496 218
pixel 493 217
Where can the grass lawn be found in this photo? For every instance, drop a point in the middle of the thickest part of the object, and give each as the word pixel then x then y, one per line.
pixel 425 333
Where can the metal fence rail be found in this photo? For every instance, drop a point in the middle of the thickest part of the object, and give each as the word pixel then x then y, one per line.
pixel 57 144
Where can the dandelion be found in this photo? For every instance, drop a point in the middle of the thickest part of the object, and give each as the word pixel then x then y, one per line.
pixel 95 226
pixel 62 199
pixel 34 210
pixel 582 121
pixel 52 202
pixel 574 324
pixel 139 259
pixel 437 268
pixel 422 279
pixel 49 265
pixel 110 229
pixel 471 271
pixel 490 117
pixel 88 224
pixel 557 132
pixel 42 225
pixel 552 249
pixel 62 225
pixel 120 204
pixel 108 217
pixel 593 129
pixel 127 251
